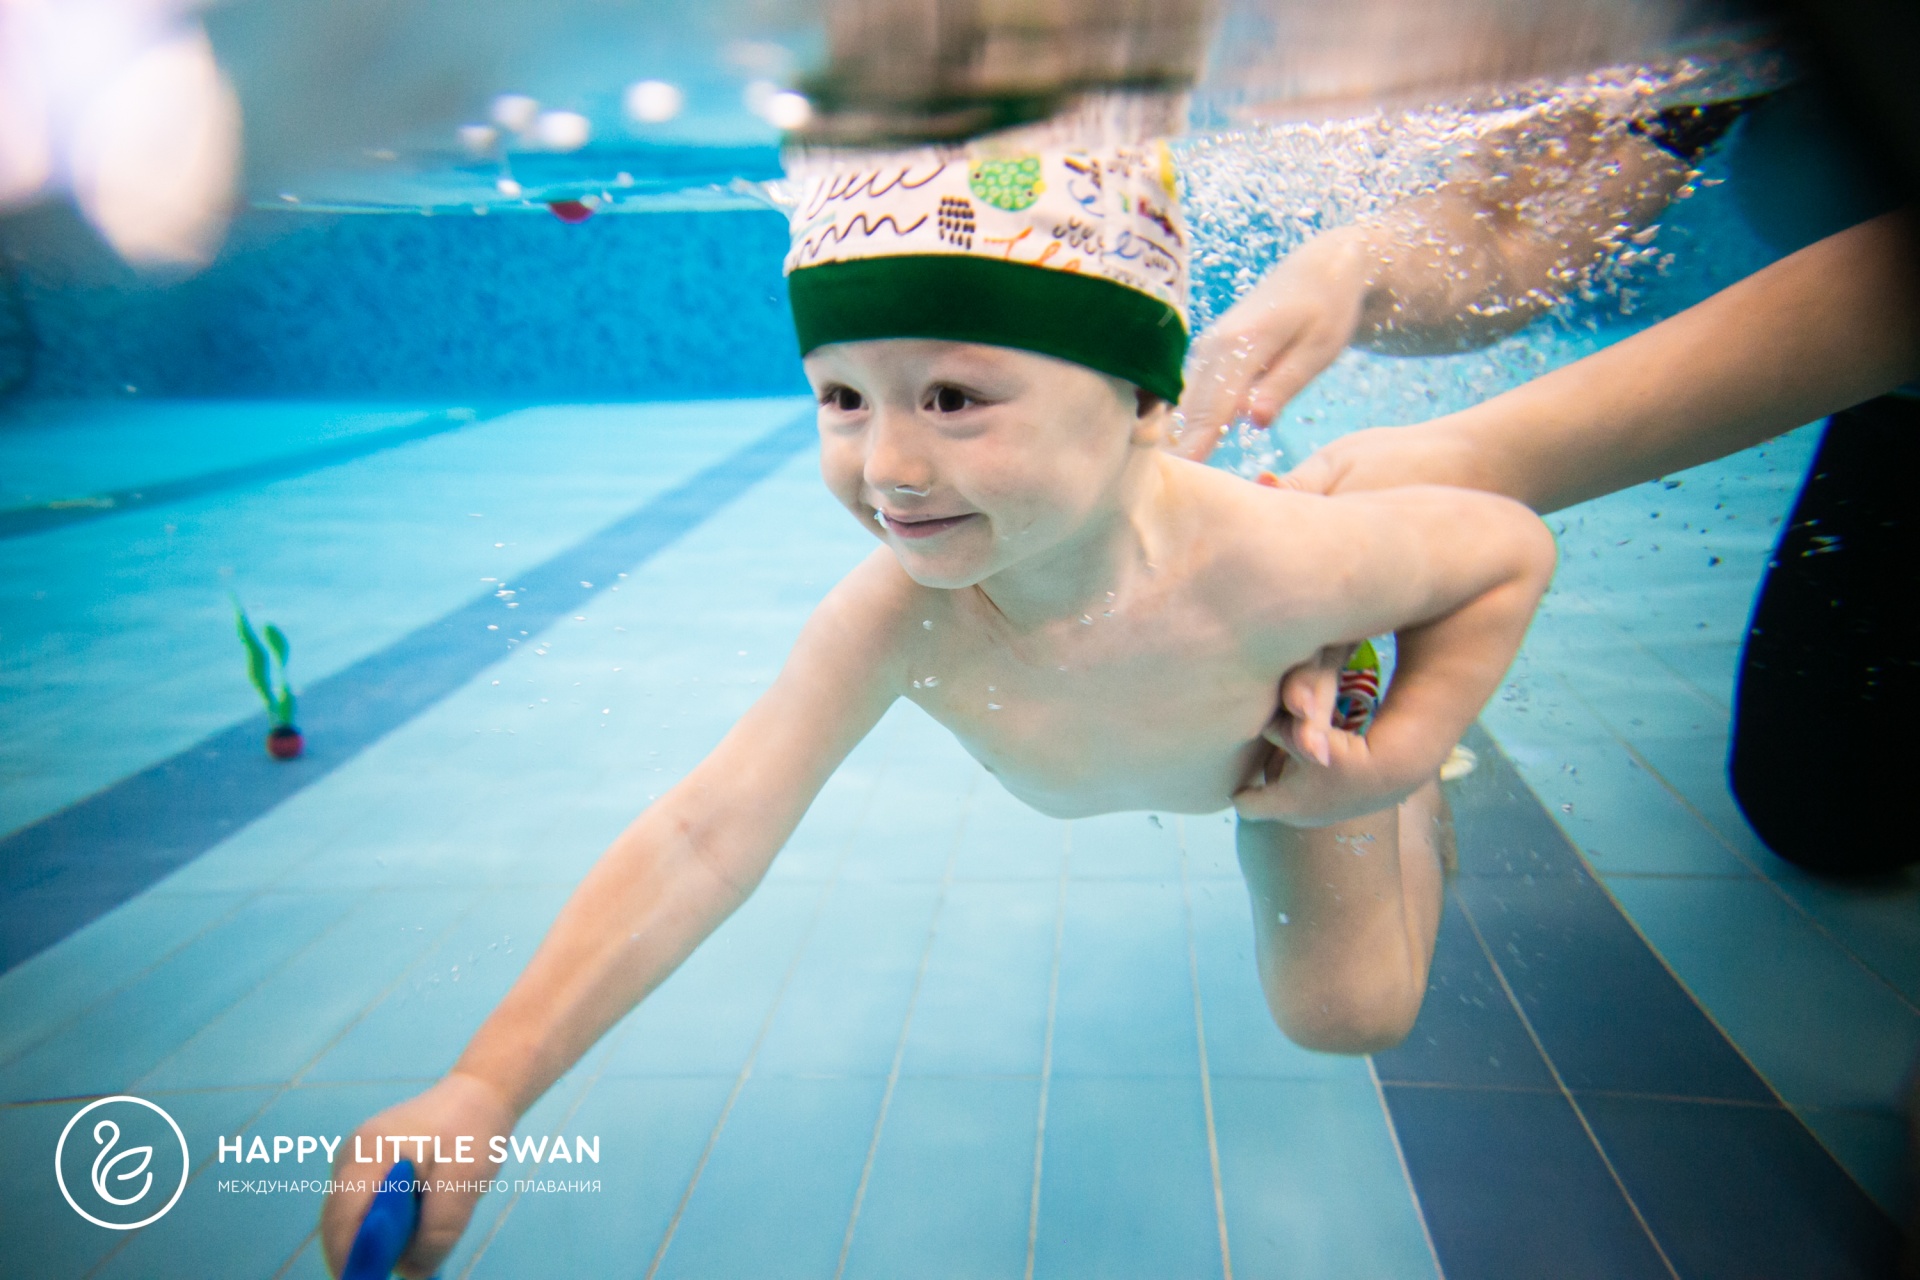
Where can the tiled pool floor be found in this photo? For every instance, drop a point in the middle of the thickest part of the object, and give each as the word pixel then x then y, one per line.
pixel 948 1036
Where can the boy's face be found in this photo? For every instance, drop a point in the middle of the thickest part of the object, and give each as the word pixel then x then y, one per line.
pixel 966 459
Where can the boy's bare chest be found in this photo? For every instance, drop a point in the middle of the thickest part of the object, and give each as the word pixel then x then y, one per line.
pixel 1107 718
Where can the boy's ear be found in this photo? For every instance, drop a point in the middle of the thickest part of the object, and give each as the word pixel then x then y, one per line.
pixel 1150 418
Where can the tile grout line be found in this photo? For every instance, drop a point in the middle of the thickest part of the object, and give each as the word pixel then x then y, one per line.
pixel 605 1052
pixel 1406 1171
pixel 1200 1042
pixel 1660 958
pixel 1566 1093
pixel 248 896
pixel 1605 618
pixel 1687 805
pixel 906 1026
pixel 287 1266
pixel 760 1038
pixel 638 532
pixel 1712 828
pixel 293 1082
pixel 1046 1052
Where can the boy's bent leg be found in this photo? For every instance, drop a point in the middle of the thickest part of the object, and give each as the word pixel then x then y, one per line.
pixel 1344 920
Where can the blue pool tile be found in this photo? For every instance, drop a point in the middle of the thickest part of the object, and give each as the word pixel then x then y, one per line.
pixel 1313 1182
pixel 1126 998
pixel 1242 1039
pixel 909 830
pixel 982 1007
pixel 1741 1192
pixel 776 1195
pixel 1130 846
pixel 1877 922
pixel 189 801
pixel 651 1133
pixel 952 1181
pixel 296 1012
pixel 1208 839
pixel 1002 839
pixel 41 1236
pixel 844 1006
pixel 706 1018
pixel 1510 1186
pixel 211 1232
pixel 552 1114
pixel 1607 1012
pixel 86 966
pixel 420 1026
pixel 1823 1030
pixel 121 1038
pixel 1621 816
pixel 1872 1146
pixel 1468 1032
pixel 1500 828
pixel 1126 1188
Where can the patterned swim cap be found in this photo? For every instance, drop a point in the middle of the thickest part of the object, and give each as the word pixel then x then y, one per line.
pixel 1079 254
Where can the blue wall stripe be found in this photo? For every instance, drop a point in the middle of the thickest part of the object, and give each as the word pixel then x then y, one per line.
pixel 1710 1166
pixel 77 864
pixel 18 522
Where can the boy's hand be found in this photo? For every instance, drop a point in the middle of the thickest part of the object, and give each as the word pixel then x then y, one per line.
pixel 1306 791
pixel 1304 720
pixel 458 1106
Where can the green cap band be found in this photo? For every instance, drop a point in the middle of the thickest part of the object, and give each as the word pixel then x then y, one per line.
pixel 1074 316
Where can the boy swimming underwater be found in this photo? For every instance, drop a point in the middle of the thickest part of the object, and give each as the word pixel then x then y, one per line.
pixel 995 344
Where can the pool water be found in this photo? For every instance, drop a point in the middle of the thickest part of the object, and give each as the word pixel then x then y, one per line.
pixel 948 1036
pixel 539 512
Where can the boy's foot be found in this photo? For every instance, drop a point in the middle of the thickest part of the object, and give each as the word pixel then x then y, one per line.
pixel 1461 761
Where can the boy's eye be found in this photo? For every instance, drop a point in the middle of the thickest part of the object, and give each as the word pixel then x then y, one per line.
pixel 948 400
pixel 845 399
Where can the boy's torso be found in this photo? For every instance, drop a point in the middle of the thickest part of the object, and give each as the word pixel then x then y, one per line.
pixel 1152 700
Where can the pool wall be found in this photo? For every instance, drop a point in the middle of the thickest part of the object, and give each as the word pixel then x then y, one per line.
pixel 660 305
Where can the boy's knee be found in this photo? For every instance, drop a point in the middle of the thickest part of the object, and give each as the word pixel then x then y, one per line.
pixel 1346 1018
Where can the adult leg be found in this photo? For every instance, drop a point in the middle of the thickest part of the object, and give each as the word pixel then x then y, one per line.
pixel 1824 715
pixel 1344 920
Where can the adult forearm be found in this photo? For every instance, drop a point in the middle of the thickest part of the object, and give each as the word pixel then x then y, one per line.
pixel 1485 254
pixel 1827 327
pixel 650 900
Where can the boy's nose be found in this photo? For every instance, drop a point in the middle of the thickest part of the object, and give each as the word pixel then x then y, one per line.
pixel 894 468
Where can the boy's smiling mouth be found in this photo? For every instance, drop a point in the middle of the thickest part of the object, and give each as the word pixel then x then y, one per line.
pixel 921 526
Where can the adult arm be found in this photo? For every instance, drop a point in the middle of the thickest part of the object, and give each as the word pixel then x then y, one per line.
pixel 1518 222
pixel 1827 327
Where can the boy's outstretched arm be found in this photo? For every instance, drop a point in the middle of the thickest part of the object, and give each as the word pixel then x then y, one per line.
pixel 1456 576
pixel 658 891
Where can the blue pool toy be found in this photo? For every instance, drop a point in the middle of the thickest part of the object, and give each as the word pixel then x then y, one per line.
pixel 387 1228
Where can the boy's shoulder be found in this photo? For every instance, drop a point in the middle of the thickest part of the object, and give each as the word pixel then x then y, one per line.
pixel 1266 538
pixel 1287 568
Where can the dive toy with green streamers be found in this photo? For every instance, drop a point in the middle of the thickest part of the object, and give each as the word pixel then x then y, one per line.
pixel 283 739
